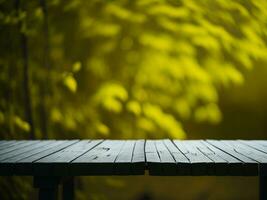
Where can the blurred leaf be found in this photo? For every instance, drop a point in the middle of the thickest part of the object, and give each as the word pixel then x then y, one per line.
pixel 70 83
pixel 23 125
pixel 134 107
pixel 56 115
pixel 102 129
pixel 183 108
pixel 39 13
pixel 146 124
pixel 111 96
pixel 165 121
pixel 170 11
pixel 76 66
pixel 209 113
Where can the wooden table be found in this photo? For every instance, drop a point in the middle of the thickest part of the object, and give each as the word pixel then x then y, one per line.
pixel 54 162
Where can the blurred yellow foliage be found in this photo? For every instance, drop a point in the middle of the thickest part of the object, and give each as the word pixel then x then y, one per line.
pixel 70 83
pixel 137 68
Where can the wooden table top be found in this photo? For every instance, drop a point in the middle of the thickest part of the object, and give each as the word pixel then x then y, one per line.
pixel 133 157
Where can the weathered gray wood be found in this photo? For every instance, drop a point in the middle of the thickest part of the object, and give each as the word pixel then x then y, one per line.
pixel 200 164
pixel 67 154
pixel 261 145
pixel 219 166
pixel 56 163
pixel 152 158
pixel 250 165
pixel 35 149
pixel 100 160
pixel 123 161
pixel 7 160
pixel 4 142
pixel 17 146
pixel 168 164
pixel 262 142
pixel 13 154
pixel 7 143
pixel 138 160
pixel 25 165
pixel 255 144
pixel 182 163
pixel 50 160
pixel 125 157
pixel 247 151
pixel 252 153
pixel 50 151
pixel 8 164
pixel 235 167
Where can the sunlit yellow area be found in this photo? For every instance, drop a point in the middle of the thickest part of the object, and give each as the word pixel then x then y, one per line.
pixel 129 69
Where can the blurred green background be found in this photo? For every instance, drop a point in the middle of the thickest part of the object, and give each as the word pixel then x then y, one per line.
pixel 127 69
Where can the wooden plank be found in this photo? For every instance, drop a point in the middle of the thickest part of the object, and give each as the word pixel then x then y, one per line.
pixel 138 160
pixel 48 152
pixel 247 151
pixel 252 153
pixel 25 165
pixel 2 142
pixel 68 154
pixel 182 163
pixel 117 157
pixel 7 160
pixel 220 164
pixel 28 152
pixel 16 146
pixel 152 158
pixel 168 164
pixel 235 167
pixel 255 144
pixel 262 167
pixel 250 166
pixel 59 163
pixel 100 160
pixel 23 150
pixel 200 164
pixel 123 162
pixel 262 142
pixel 7 143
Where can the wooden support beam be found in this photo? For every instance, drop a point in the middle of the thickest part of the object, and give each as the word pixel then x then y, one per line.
pixel 68 192
pixel 262 187
pixel 48 187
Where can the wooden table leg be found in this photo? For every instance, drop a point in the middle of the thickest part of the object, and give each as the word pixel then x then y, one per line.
pixel 48 187
pixel 262 181
pixel 263 187
pixel 68 188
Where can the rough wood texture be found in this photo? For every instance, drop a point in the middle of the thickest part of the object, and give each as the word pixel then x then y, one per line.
pixel 133 157
pixel 54 162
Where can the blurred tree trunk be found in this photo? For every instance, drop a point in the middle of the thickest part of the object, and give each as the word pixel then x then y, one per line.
pixel 11 68
pixel 26 74
pixel 10 95
pixel 44 90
